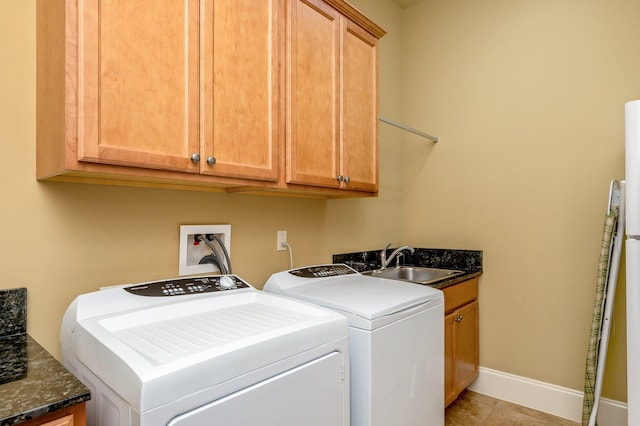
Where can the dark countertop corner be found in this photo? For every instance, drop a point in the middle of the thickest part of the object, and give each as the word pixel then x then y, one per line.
pixel 46 386
pixel 32 381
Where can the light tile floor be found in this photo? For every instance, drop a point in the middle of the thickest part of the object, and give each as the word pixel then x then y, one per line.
pixel 474 409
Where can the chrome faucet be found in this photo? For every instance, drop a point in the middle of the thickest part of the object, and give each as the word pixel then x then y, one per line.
pixel 384 261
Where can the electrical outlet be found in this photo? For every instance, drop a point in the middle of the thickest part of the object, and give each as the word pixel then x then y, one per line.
pixel 192 248
pixel 281 240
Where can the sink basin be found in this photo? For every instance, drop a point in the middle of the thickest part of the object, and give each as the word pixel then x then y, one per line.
pixel 415 274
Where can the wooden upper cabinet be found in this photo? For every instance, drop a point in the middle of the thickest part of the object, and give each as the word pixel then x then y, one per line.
pixel 227 95
pixel 243 88
pixel 140 91
pixel 332 99
pixel 138 83
pixel 313 138
pixel 359 108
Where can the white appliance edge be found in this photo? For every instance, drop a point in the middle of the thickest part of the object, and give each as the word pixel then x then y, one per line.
pixel 129 386
pixel 632 178
pixel 394 327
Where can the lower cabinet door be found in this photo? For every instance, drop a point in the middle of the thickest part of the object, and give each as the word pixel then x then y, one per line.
pixel 450 393
pixel 74 415
pixel 466 341
pixel 65 421
pixel 461 350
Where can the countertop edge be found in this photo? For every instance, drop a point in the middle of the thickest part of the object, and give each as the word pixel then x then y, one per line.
pixel 39 358
pixel 46 409
pixel 455 280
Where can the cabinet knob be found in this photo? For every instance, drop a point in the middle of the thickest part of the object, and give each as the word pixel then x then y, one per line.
pixel 458 318
pixel 347 179
pixel 211 160
pixel 340 178
pixel 195 158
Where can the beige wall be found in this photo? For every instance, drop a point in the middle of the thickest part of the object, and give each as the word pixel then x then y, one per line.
pixel 527 98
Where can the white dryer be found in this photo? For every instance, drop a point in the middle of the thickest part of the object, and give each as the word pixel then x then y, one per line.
pixel 206 350
pixel 396 332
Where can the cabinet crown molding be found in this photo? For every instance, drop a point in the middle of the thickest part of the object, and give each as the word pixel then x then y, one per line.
pixel 357 17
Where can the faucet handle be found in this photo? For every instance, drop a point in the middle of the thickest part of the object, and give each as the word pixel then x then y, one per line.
pixel 383 256
pixel 383 253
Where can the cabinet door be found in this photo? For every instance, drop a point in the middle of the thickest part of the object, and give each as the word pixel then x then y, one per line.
pixel 243 88
pixel 359 141
pixel 461 350
pixel 70 416
pixel 138 83
pixel 65 421
pixel 313 121
pixel 450 393
pixel 466 345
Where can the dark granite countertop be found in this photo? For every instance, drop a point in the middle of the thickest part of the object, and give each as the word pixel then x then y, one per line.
pixel 469 261
pixel 32 381
pixel 45 385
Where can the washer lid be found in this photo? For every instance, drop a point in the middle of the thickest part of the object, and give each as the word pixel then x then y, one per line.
pixel 155 354
pixel 367 297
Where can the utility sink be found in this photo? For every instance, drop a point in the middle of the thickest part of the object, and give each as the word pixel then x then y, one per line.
pixel 415 274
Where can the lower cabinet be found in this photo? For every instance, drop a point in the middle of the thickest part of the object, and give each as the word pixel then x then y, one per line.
pixel 75 415
pixel 461 347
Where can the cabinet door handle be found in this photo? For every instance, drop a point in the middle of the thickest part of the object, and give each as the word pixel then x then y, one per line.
pixel 347 179
pixel 195 158
pixel 458 318
pixel 211 160
pixel 340 178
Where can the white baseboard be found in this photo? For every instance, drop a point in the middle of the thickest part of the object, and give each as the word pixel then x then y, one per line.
pixel 545 397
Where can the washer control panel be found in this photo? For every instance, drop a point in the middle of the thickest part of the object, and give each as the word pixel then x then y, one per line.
pixel 323 271
pixel 183 286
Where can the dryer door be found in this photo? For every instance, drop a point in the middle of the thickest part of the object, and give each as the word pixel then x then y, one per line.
pixel 313 394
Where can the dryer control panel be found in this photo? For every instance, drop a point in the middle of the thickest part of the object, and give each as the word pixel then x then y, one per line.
pixel 323 271
pixel 194 285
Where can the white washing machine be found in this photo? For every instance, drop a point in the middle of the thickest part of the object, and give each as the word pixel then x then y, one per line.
pixel 206 350
pixel 396 332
